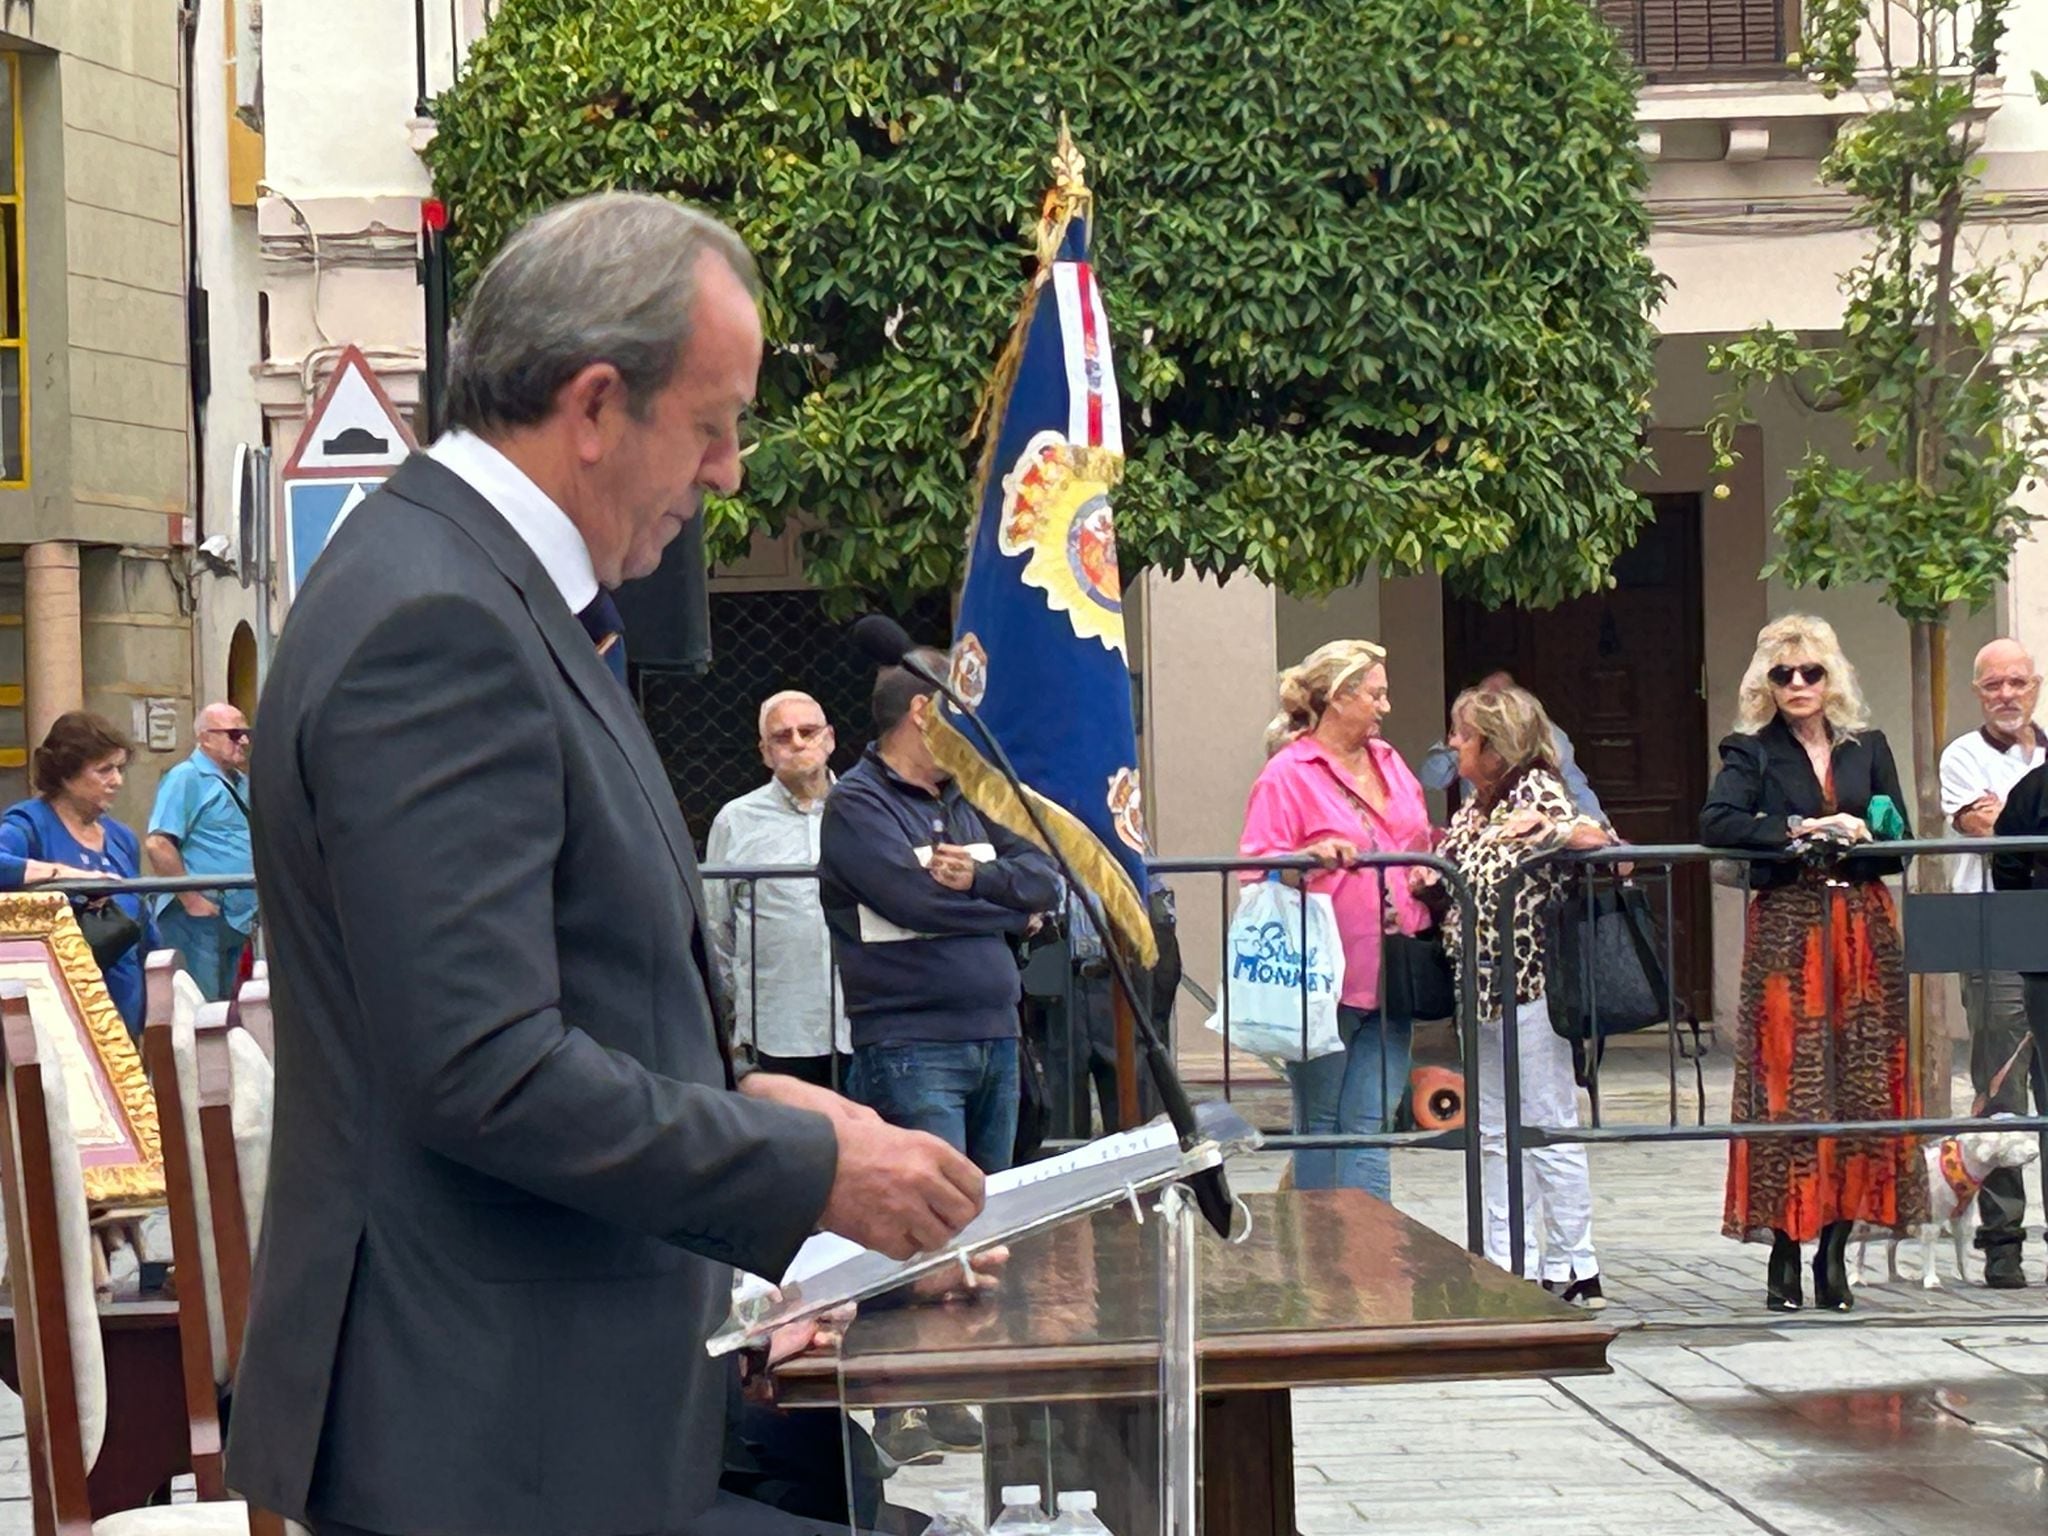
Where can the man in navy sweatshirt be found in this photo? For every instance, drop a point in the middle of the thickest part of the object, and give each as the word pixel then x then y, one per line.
pixel 921 896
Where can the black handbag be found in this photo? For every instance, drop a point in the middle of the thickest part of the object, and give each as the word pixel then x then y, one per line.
pixel 109 932
pixel 1415 980
pixel 1603 974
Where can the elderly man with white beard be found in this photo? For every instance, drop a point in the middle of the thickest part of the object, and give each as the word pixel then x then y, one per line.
pixel 1978 772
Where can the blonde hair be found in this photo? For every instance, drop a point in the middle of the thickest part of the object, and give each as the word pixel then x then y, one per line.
pixel 1306 690
pixel 1512 722
pixel 1800 634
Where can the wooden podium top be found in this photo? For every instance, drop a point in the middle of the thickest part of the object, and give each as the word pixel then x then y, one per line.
pixel 1331 1287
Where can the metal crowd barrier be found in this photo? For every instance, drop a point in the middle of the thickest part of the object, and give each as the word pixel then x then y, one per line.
pixel 1286 1139
pixel 1591 869
pixel 1590 865
pixel 1075 1046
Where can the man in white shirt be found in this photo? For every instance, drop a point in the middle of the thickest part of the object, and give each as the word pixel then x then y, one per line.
pixel 1978 771
pixel 771 956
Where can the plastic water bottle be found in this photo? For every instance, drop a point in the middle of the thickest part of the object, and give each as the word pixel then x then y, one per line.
pixel 1022 1514
pixel 957 1514
pixel 1077 1515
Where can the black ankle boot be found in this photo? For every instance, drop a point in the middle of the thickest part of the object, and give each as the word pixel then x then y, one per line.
pixel 1831 1269
pixel 1781 1284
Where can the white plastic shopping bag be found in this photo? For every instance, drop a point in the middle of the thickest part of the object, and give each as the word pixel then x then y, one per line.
pixel 1280 978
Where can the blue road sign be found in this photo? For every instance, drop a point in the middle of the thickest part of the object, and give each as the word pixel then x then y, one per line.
pixel 313 509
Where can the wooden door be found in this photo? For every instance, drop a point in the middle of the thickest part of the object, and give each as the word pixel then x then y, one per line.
pixel 1623 672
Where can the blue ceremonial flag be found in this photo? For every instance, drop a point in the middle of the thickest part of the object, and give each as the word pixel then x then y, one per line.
pixel 1038 646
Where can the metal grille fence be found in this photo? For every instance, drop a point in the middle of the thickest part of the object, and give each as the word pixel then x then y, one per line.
pixel 707 726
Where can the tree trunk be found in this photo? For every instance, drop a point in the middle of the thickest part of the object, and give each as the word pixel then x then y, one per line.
pixel 1931 1051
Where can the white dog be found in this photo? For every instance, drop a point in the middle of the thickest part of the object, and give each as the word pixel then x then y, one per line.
pixel 1956 1167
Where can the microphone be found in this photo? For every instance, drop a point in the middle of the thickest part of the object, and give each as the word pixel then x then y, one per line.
pixel 883 641
pixel 886 643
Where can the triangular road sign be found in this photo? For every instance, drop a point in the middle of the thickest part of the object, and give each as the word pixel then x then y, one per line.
pixel 354 431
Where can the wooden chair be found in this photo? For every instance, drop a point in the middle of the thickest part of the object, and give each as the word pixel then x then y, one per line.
pixel 233 1244
pixel 252 1010
pixel 198 1334
pixel 58 1351
pixel 235 1099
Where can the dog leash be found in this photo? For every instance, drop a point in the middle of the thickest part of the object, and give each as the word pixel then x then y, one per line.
pixel 1983 1100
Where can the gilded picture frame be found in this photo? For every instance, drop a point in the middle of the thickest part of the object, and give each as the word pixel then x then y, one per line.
pixel 112 1108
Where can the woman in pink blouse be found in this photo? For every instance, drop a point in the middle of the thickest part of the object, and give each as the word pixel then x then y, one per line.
pixel 1333 789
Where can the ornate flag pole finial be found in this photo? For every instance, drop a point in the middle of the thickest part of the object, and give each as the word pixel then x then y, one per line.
pixel 1067 199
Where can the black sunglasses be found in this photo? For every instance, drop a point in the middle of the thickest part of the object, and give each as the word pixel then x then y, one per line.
pixel 1810 674
pixel 232 732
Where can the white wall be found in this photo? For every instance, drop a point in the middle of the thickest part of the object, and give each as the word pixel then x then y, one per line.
pixel 1209 691
pixel 339 88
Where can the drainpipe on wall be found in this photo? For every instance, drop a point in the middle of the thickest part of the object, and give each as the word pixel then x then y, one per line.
pixel 419 48
pixel 198 321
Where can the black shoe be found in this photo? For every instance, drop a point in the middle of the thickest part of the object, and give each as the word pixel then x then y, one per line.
pixel 1580 1293
pixel 1781 1279
pixel 1831 1270
pixel 2002 1268
pixel 1586 1293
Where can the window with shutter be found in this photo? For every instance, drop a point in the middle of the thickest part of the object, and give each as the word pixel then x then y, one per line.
pixel 1705 39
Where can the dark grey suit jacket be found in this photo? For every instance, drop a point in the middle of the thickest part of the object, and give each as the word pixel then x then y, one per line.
pixel 508 1175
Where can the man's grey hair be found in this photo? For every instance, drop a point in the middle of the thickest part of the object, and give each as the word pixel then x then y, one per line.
pixel 610 278
pixel 775 701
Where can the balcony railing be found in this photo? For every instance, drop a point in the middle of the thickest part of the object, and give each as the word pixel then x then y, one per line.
pixel 1706 39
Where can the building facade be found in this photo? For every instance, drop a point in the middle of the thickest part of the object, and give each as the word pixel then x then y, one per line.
pixel 97 398
pixel 1644 677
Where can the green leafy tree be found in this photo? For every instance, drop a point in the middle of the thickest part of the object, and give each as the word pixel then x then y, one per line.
pixel 1932 366
pixel 1376 273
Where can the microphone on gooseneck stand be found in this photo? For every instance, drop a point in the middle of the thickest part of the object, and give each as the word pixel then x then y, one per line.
pixel 886 643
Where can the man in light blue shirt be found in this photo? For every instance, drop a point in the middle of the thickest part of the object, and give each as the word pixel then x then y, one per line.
pixel 1440 765
pixel 200 826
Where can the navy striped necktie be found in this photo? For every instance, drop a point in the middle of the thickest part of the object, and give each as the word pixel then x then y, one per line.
pixel 607 631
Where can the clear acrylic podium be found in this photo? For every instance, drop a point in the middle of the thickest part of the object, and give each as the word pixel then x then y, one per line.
pixel 1008 1397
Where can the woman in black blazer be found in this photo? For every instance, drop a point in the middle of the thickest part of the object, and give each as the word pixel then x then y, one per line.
pixel 1821 1034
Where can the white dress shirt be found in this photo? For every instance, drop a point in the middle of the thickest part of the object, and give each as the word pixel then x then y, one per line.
pixel 771 957
pixel 543 526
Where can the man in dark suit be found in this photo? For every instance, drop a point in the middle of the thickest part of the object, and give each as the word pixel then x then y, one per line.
pixel 511 1164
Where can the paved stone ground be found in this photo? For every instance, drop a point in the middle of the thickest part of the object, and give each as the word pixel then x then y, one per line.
pixel 1920 1414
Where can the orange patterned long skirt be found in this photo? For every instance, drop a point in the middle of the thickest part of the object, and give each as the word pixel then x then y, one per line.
pixel 1822 1036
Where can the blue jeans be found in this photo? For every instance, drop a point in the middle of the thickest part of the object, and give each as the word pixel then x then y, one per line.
pixel 965 1092
pixel 212 949
pixel 1353 1091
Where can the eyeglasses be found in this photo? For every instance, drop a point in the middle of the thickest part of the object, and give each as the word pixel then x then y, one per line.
pixel 1991 686
pixel 797 735
pixel 234 733
pixel 1810 674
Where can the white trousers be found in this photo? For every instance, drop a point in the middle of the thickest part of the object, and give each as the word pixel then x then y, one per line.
pixel 1557 1184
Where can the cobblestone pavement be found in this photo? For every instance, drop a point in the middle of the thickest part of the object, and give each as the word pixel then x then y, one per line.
pixel 1920 1414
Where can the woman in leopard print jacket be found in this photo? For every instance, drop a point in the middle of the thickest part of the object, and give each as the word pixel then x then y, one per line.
pixel 1519 809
